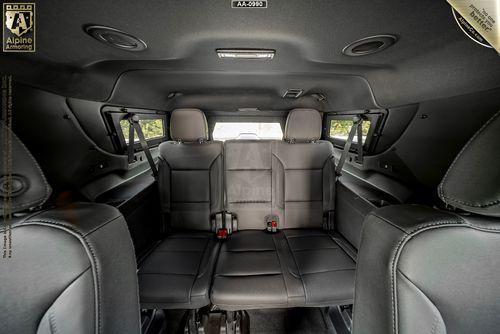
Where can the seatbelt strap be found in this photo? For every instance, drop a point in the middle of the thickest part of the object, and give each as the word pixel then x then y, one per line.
pixel 360 141
pixel 131 141
pixel 134 125
pixel 357 123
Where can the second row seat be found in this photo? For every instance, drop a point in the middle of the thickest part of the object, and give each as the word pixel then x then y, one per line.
pixel 293 180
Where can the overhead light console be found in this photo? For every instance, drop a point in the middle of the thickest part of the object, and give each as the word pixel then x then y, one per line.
pixel 245 53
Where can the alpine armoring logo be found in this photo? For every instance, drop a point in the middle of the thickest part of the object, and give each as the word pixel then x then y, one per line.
pixel 19 27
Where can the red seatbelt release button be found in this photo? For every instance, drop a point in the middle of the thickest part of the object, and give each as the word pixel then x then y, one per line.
pixel 222 233
pixel 272 226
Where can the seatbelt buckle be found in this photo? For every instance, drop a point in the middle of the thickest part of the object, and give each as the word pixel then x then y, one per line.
pixel 224 224
pixel 329 220
pixel 272 226
pixel 222 233
pixel 272 223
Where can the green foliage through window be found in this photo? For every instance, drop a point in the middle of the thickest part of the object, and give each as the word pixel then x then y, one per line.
pixel 340 129
pixel 152 128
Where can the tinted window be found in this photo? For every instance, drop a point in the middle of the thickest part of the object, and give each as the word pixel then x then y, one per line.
pixel 340 128
pixel 152 129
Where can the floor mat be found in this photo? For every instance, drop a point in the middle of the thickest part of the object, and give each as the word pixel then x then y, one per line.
pixel 274 321
pixel 295 321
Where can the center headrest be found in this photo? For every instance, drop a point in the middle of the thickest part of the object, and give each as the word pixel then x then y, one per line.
pixel 303 125
pixel 188 125
pixel 23 181
pixel 472 183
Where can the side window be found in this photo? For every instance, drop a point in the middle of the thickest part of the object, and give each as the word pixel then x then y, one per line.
pixel 153 125
pixel 153 128
pixel 338 127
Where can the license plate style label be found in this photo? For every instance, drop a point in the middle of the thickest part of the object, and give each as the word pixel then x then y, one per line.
pixel 248 4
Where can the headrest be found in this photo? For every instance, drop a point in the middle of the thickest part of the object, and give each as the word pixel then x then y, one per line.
pixel 188 125
pixel 303 125
pixel 28 186
pixel 472 183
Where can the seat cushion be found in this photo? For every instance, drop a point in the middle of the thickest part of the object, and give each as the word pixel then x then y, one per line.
pixel 292 268
pixel 325 264
pixel 177 274
pixel 249 273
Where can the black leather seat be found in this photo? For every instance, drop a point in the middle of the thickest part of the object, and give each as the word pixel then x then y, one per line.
pixel 72 269
pixel 422 270
pixel 293 180
pixel 177 274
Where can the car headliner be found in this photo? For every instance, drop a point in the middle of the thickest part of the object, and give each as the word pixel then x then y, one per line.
pixel 432 58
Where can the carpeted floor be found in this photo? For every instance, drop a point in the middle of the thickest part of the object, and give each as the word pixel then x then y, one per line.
pixel 293 321
pixel 275 321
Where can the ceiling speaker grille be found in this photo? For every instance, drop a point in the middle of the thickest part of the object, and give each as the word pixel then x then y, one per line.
pixel 116 38
pixel 369 45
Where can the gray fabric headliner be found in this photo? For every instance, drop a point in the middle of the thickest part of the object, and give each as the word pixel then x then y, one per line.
pixel 432 58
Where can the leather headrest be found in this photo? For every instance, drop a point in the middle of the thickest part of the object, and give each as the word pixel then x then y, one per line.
pixel 28 186
pixel 188 125
pixel 472 183
pixel 303 125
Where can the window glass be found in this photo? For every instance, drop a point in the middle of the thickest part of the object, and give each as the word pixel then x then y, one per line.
pixel 152 129
pixel 340 128
pixel 247 130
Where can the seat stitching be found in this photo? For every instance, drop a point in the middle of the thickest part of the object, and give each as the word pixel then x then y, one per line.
pixel 90 251
pixel 316 249
pixel 457 158
pixel 328 271
pixel 296 264
pixel 67 286
pixel 401 243
pixel 435 320
pixel 249 275
pixel 177 251
pixel 249 250
pixel 343 246
pixel 45 183
pixel 281 266
pixel 52 323
pixel 207 241
pixel 165 274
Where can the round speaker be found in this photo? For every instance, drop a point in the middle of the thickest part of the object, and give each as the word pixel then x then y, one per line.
pixel 369 45
pixel 116 38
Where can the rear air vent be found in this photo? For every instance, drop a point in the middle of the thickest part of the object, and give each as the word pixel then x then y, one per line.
pixel 116 38
pixel 369 45
pixel 293 93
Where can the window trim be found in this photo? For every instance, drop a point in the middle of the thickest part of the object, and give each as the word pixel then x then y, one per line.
pixel 113 115
pixel 376 119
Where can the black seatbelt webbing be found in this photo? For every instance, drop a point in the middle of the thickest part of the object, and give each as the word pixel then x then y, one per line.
pixel 134 125
pixel 356 127
pixel 131 157
pixel 360 141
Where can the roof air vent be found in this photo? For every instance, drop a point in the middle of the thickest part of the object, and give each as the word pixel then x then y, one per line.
pixel 115 38
pixel 369 45
pixel 293 93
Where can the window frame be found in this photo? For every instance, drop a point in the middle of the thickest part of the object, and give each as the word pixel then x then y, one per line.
pixel 376 119
pixel 113 115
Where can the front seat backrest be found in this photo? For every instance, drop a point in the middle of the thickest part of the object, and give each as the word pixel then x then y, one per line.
pixel 65 270
pixel 190 172
pixel 422 270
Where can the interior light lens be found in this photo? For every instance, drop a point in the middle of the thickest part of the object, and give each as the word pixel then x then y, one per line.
pixel 245 54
